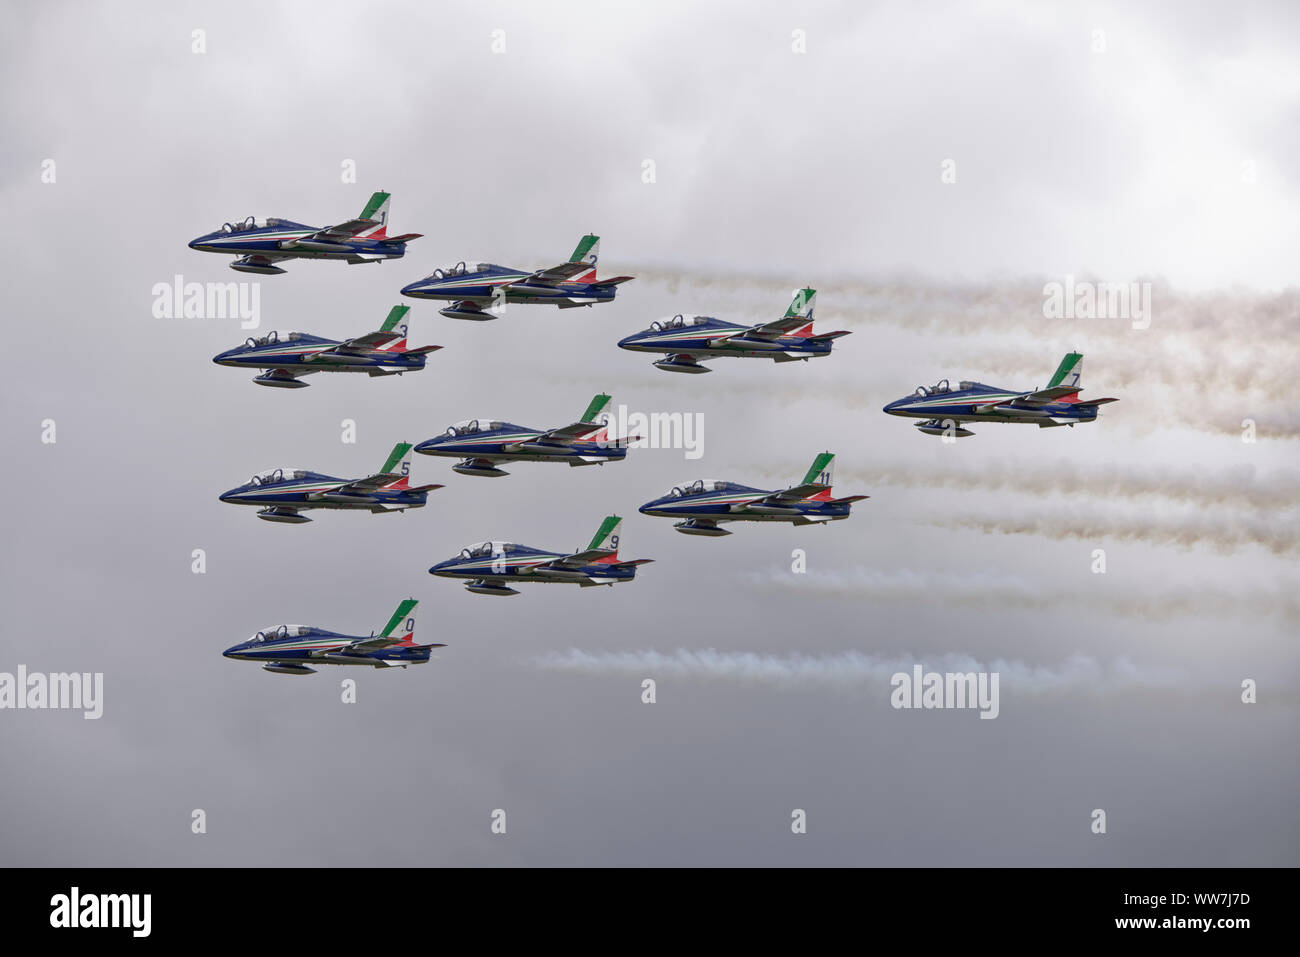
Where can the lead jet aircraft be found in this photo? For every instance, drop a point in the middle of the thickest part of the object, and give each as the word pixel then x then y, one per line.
pixel 705 504
pixel 493 567
pixel 944 407
pixel 688 341
pixel 285 493
pixel 288 356
pixel 260 245
pixel 289 649
pixel 471 286
pixel 483 443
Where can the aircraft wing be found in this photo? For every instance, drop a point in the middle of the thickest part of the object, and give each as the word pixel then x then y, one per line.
pixel 362 343
pixel 577 559
pixel 776 328
pixel 374 643
pixel 568 433
pixel 367 484
pixel 795 494
pixel 556 274
pixel 1045 396
pixel 341 231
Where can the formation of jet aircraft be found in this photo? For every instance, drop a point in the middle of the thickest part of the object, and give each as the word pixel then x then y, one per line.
pixel 704 505
pixel 478 291
pixel 471 286
pixel 944 407
pixel 493 567
pixel 291 649
pixel 284 494
pixel 482 444
pixel 288 356
pixel 258 246
pixel 689 341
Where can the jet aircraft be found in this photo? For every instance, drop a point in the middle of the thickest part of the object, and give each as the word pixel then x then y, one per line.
pixel 944 408
pixel 260 245
pixel 483 443
pixel 285 493
pixel 288 356
pixel 471 286
pixel 493 567
pixel 705 504
pixel 289 649
pixel 690 340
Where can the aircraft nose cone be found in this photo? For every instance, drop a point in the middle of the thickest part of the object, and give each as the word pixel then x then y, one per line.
pixel 894 406
pixel 230 652
pixel 441 567
pixel 628 340
pixel 230 496
pixel 413 289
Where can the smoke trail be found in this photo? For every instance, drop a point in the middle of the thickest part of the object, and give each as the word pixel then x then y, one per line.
pixel 942 308
pixel 1237 486
pixel 1223 535
pixel 1234 486
pixel 1004 592
pixel 849 669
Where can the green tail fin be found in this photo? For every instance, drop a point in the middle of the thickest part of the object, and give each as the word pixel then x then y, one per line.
pixel 802 305
pixel 399 460
pixel 405 614
pixel 1069 371
pixel 598 405
pixel 377 208
pixel 586 251
pixel 821 472
pixel 395 315
pixel 607 535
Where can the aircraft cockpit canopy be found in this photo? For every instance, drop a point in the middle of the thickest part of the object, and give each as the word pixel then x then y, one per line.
pixel 252 223
pixel 459 269
pixel 272 476
pixel 272 337
pixel 485 550
pixel 939 388
pixel 276 632
pixel 677 322
pixel 473 426
pixel 697 487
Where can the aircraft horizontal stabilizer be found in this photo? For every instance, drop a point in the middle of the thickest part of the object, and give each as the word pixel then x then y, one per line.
pixel 826 336
pixel 404 238
pixel 422 351
pixel 1098 401
pixel 847 500
pixel 613 282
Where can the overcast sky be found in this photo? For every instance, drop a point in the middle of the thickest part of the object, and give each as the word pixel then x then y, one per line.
pixel 1090 140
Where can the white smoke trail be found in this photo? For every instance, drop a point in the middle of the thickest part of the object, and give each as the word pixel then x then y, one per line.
pixel 1220 533
pixel 943 308
pixel 1236 486
pixel 847 669
pixel 1005 592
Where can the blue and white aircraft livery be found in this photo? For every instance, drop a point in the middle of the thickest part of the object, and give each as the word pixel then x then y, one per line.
pixel 288 356
pixel 944 407
pixel 690 340
pixel 705 504
pixel 481 444
pixel 285 493
pixel 260 245
pixel 290 649
pixel 471 286
pixel 493 567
